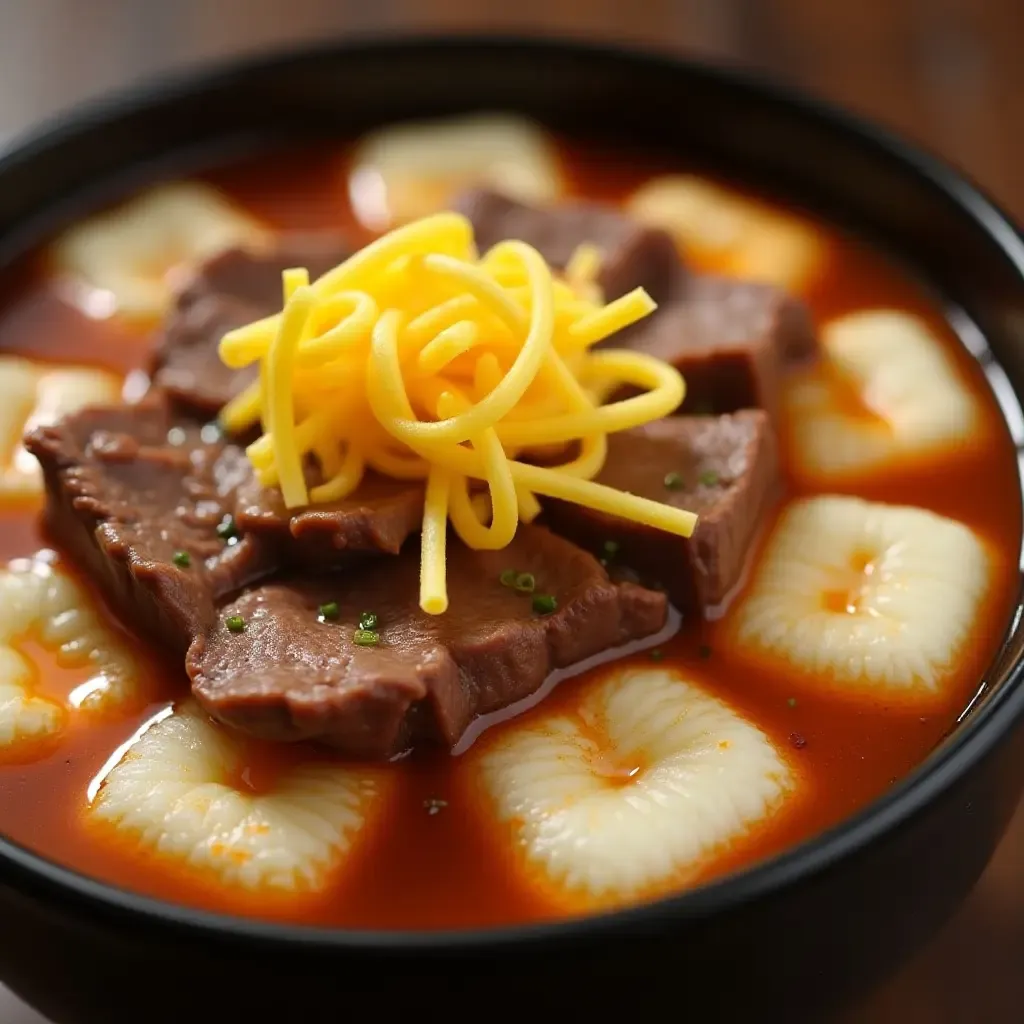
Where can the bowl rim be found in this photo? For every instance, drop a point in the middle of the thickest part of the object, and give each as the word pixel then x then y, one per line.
pixel 970 741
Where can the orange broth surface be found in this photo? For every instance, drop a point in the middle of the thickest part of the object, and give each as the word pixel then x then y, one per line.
pixel 434 857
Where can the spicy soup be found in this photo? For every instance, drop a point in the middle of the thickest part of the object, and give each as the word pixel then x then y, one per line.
pixel 741 727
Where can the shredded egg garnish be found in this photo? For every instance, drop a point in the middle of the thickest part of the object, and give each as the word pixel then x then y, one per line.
pixel 419 359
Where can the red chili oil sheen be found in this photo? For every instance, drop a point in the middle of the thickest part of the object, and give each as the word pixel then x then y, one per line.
pixel 434 858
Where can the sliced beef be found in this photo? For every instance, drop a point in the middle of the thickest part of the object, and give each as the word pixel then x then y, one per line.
pixel 732 340
pixel 378 516
pixel 160 488
pixel 723 468
pixel 291 675
pixel 132 488
pixel 230 290
pixel 128 490
pixel 633 255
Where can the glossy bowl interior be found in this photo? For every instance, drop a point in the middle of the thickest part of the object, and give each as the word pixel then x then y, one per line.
pixel 797 934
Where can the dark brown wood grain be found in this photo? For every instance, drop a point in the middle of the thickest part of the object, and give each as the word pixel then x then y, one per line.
pixel 946 72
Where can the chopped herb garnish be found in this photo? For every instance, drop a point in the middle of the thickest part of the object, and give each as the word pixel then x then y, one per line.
pixel 182 559
pixel 329 610
pixel 791 702
pixel 365 638
pixel 226 529
pixel 704 651
pixel 657 655
pixel 211 433
pixel 544 604
pixel 709 478
pixel 508 577
pixel 610 548
pixel 235 623
pixel 525 583
pixel 673 481
pixel 368 620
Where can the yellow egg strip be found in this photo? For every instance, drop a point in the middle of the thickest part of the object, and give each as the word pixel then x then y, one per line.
pixel 529 506
pixel 433 589
pixel 623 312
pixel 666 395
pixel 344 481
pixel 469 280
pixel 281 400
pixel 420 361
pixel 447 345
pixel 504 503
pixel 486 374
pixel 584 265
pixel 510 388
pixel 244 409
pixel 553 483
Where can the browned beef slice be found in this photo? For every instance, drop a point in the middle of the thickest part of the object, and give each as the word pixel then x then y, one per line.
pixel 732 340
pixel 123 456
pixel 632 255
pixel 290 676
pixel 228 291
pixel 127 490
pixel 723 468
pixel 378 516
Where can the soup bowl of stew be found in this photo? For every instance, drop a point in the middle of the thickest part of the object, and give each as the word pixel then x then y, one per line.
pixel 497 523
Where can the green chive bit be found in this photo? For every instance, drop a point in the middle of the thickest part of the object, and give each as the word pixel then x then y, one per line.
pixel 226 529
pixel 791 702
pixel 182 559
pixel 705 651
pixel 525 583
pixel 610 548
pixel 709 478
pixel 365 638
pixel 673 481
pixel 329 610
pixel 235 623
pixel 368 621
pixel 656 655
pixel 544 604
pixel 508 578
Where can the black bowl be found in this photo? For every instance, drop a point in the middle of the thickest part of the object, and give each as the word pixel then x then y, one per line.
pixel 794 938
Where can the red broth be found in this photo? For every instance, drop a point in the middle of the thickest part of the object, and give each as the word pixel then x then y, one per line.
pixel 432 859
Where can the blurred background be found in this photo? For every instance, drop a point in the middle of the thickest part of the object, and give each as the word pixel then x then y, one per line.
pixel 947 73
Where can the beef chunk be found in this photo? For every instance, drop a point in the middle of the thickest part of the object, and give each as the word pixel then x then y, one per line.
pixel 632 255
pixel 723 468
pixel 129 491
pixel 230 290
pixel 732 340
pixel 378 516
pixel 290 676
pixel 236 288
pixel 153 487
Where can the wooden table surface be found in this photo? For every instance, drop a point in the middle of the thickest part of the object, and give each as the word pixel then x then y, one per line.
pixel 945 72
